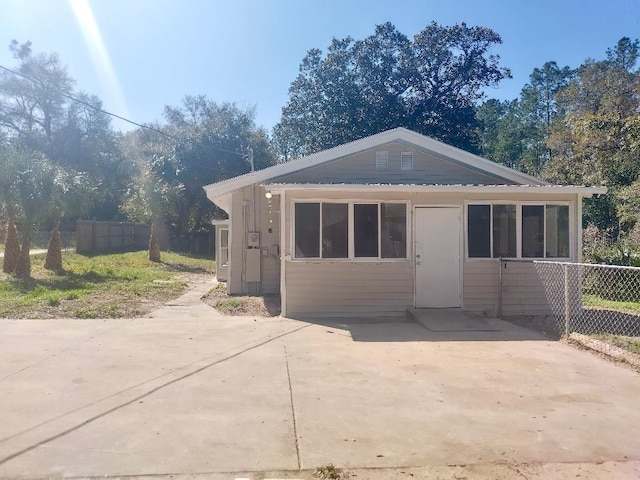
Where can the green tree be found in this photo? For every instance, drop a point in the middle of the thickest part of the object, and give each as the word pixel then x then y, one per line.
pixel 515 133
pixel 204 142
pixel 72 196
pixel 34 187
pixel 41 110
pixel 10 164
pixel 359 88
pixel 598 141
pixel 150 201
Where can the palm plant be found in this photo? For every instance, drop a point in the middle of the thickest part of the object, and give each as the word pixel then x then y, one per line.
pixel 73 194
pixel 9 166
pixel 34 188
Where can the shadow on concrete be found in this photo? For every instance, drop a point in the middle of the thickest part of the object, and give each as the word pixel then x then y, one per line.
pixel 363 329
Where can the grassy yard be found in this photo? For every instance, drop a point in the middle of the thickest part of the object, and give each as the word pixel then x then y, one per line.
pixel 100 286
pixel 631 344
pixel 594 301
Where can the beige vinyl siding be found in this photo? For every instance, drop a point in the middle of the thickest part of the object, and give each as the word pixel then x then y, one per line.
pixel 270 242
pixel 481 286
pixel 244 217
pixel 523 290
pixel 361 168
pixel 326 289
pixel 237 237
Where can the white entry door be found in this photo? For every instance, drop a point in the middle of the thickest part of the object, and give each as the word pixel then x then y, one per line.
pixel 437 257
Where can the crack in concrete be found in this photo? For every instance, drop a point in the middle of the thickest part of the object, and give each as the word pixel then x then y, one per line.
pixel 140 397
pixel 293 410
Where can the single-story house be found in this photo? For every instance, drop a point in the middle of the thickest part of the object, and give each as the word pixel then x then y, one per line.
pixel 393 221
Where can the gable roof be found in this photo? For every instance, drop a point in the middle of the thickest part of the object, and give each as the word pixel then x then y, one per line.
pixel 442 150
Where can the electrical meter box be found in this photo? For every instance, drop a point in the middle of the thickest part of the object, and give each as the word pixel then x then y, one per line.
pixel 253 240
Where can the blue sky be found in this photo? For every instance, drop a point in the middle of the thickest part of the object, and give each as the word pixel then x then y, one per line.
pixel 139 55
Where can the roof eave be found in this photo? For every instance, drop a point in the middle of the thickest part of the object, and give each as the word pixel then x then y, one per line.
pixel 397 134
pixel 583 191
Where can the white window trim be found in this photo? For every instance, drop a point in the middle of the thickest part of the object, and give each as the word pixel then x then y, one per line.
pixel 519 205
pixel 351 258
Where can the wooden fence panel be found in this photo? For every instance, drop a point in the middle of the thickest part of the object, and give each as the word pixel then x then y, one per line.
pixel 93 236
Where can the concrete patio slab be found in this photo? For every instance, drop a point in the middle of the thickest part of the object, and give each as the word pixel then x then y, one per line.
pixel 215 396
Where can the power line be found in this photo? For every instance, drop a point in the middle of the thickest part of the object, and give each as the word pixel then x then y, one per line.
pixel 70 97
pixel 82 102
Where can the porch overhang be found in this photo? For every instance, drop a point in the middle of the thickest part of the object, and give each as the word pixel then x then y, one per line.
pixel 542 190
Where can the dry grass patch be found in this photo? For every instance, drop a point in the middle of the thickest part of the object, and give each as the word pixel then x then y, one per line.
pixel 260 305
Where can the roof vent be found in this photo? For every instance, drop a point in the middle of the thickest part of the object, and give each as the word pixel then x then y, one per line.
pixel 406 161
pixel 382 160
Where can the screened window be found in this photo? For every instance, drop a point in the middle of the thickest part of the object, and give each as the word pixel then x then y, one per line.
pixel 307 230
pixel 350 230
pixel 479 231
pixel 532 231
pixel 504 231
pixel 365 229
pixel 492 231
pixel 393 226
pixel 557 231
pixel 335 233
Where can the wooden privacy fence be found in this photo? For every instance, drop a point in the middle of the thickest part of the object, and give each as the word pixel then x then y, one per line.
pixel 93 236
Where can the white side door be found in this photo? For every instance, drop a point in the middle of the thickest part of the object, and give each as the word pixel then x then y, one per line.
pixel 437 257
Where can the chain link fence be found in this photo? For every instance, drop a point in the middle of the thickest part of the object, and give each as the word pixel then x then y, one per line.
pixel 580 297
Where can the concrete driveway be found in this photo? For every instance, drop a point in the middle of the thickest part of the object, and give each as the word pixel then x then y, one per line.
pixel 192 392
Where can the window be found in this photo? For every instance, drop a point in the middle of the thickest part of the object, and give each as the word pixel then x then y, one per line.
pixel 365 229
pixel 492 231
pixel 335 235
pixel 557 231
pixel 224 247
pixel 382 160
pixel 504 231
pixel 307 230
pixel 479 231
pixel 406 161
pixel 532 231
pixel 350 230
pixel 393 226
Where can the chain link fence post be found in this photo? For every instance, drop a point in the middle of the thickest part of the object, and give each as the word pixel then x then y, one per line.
pixel 567 303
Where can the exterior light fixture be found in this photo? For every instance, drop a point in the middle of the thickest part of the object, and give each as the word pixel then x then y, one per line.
pixel 268 194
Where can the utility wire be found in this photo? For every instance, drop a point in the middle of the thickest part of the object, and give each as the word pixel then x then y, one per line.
pixel 70 97
pixel 82 102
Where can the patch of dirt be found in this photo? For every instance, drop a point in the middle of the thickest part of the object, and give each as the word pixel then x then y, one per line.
pixel 259 305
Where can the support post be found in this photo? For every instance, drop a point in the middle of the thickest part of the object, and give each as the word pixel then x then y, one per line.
pixel 567 305
pixel 501 264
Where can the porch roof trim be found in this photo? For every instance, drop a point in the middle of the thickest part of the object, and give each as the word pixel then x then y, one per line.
pixel 585 191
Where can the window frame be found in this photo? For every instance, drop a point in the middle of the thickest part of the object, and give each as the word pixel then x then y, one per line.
pixel 351 258
pixel 519 204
